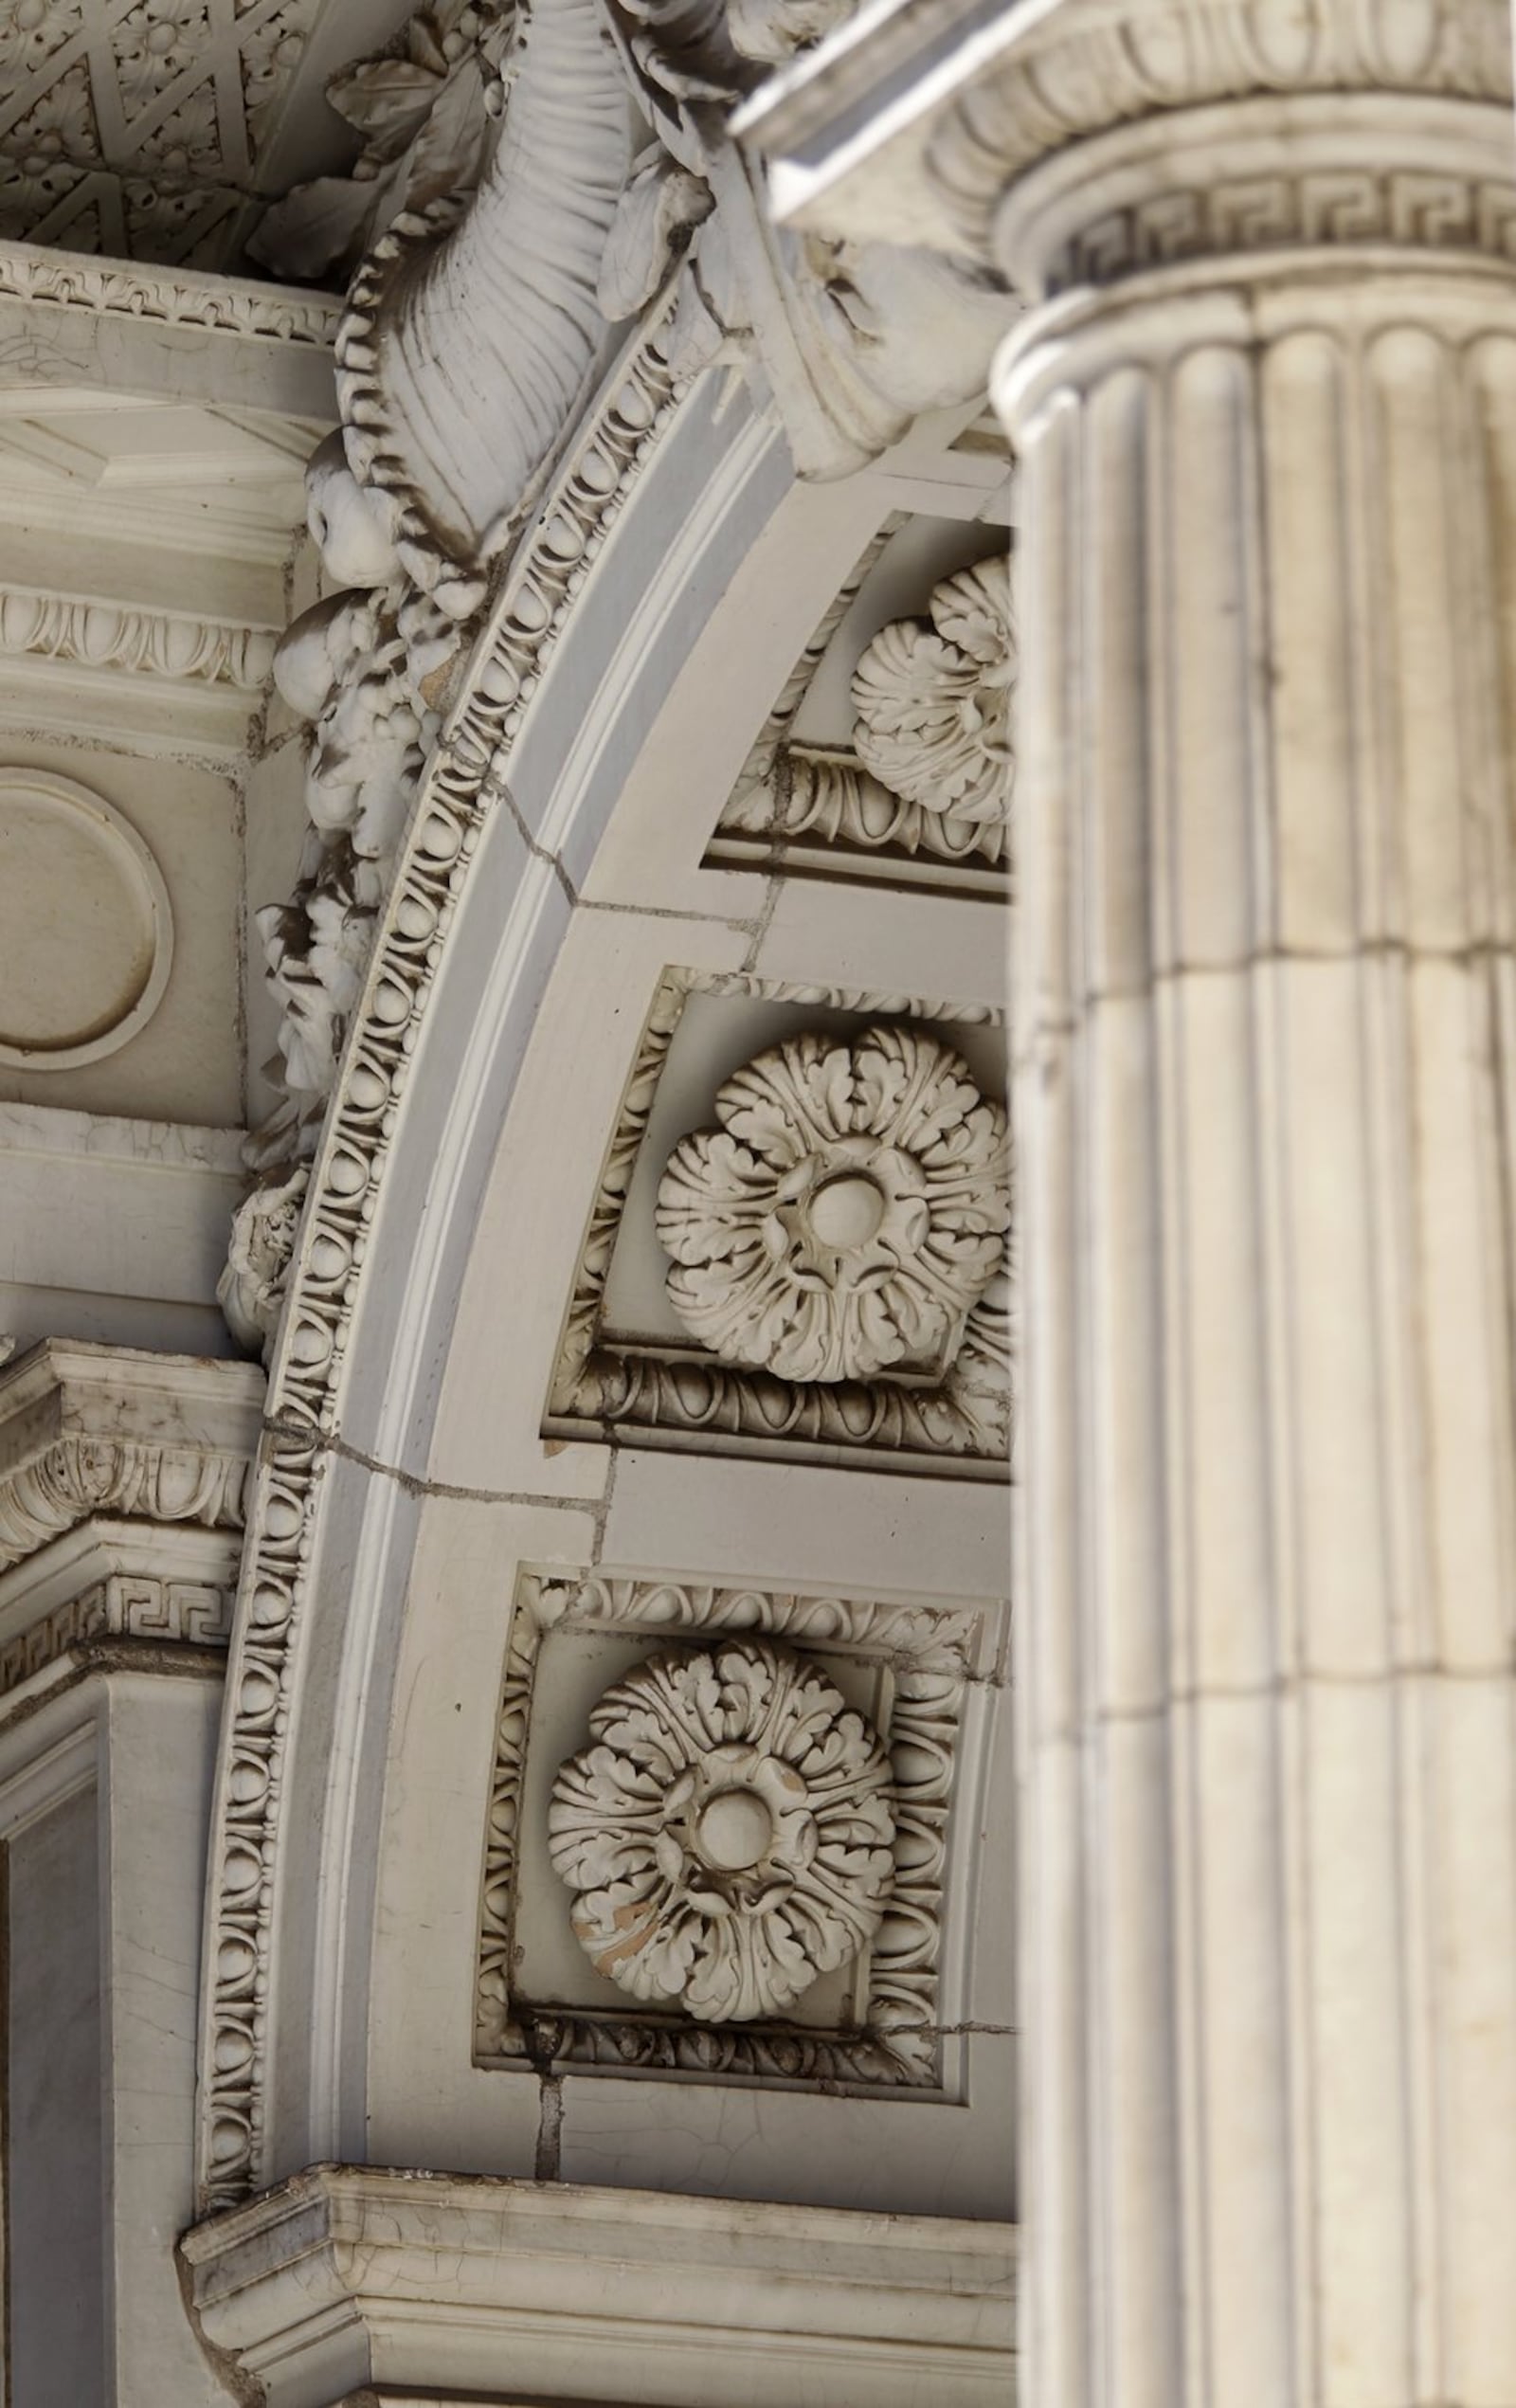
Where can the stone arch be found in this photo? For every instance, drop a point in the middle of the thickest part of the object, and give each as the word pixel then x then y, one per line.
pixel 554 871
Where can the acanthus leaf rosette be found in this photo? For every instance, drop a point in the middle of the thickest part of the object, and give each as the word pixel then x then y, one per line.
pixel 933 700
pixel 847 1215
pixel 729 1832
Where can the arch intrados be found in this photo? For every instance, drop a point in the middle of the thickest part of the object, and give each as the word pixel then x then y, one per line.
pixel 608 784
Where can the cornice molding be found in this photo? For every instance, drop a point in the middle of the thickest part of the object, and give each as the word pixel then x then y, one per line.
pixel 556 2287
pixel 169 296
pixel 177 645
pixel 927 119
pixel 87 1430
pixel 1085 67
pixel 117 1591
pixel 139 1607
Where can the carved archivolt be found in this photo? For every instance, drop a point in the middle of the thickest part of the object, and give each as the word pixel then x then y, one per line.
pixel 727 1833
pixel 475 328
pixel 846 1214
pixel 355 955
pixel 432 862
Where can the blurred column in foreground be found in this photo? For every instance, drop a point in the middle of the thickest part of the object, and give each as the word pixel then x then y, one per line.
pixel 1263 402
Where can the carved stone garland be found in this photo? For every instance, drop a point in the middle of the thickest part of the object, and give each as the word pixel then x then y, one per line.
pixel 456 393
pixel 729 1833
pixel 847 1215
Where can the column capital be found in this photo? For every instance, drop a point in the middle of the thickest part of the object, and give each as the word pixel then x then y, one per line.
pixel 1075 140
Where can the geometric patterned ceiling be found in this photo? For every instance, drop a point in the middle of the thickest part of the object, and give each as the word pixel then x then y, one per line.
pixel 161 129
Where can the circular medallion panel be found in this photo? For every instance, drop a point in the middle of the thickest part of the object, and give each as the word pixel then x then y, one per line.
pixel 727 1834
pixel 86 936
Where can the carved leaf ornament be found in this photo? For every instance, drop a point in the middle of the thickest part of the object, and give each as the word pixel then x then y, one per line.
pixel 848 1213
pixel 727 1833
pixel 933 698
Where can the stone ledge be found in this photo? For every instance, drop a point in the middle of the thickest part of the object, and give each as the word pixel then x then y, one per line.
pixel 87 1430
pixel 347 2276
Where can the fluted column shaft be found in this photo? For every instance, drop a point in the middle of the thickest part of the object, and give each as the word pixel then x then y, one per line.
pixel 1267 1116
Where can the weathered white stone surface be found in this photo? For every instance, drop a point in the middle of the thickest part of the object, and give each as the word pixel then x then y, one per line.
pixel 113 1229
pixel 153 1437
pixel 1261 407
pixel 121 1488
pixel 105 1789
pixel 333 2281
pixel 609 763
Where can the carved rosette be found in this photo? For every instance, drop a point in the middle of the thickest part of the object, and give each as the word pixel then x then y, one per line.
pixel 848 1213
pixel 933 700
pixel 727 1834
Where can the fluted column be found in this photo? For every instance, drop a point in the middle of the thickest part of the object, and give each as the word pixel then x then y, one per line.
pixel 1263 405
pixel 1266 1110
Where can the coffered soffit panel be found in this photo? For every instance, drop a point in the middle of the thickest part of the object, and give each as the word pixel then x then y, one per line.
pixel 160 129
pixel 887 754
pixel 876 2006
pixel 716 1309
